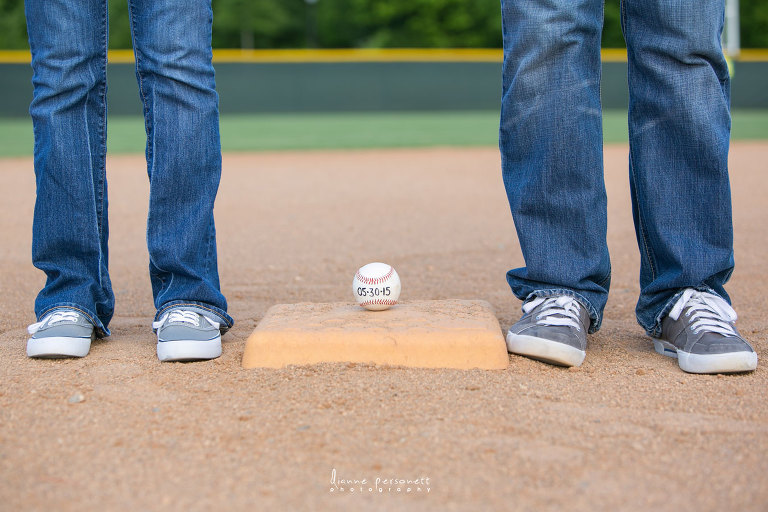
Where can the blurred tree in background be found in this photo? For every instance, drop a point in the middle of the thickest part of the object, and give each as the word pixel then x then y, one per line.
pixel 361 23
pixel 119 20
pixel 409 23
pixel 13 28
pixel 612 36
pixel 258 23
pixel 754 23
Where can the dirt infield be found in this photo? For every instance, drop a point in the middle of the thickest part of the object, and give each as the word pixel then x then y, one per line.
pixel 119 430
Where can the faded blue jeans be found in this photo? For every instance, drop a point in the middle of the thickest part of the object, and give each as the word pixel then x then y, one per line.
pixel 172 45
pixel 679 128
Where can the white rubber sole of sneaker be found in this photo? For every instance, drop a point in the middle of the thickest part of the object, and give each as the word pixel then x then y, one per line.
pixel 545 350
pixel 58 347
pixel 732 362
pixel 188 350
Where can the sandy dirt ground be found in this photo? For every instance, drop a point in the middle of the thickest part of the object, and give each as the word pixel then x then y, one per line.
pixel 628 430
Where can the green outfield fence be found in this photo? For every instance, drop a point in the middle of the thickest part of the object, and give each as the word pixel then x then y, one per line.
pixel 360 80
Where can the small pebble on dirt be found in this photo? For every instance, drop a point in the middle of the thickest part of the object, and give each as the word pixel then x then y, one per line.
pixel 76 398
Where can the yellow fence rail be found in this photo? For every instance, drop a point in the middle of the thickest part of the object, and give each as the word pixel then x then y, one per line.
pixel 365 55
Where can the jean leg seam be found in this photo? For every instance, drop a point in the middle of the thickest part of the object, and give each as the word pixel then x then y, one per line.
pixel 102 123
pixel 148 120
pixel 623 18
pixel 607 279
pixel 643 239
pixel 103 136
pixel 210 267
pixel 600 78
pixel 140 80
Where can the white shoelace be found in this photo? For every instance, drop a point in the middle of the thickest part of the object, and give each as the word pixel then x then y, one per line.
pixel 182 316
pixel 56 316
pixel 557 311
pixel 707 312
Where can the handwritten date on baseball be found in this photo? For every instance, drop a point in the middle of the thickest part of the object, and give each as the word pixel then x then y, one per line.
pixel 385 291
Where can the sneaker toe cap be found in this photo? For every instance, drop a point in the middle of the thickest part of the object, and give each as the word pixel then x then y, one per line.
pixel 181 332
pixel 563 335
pixel 708 345
pixel 65 331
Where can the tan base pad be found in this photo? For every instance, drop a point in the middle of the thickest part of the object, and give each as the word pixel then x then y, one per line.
pixel 459 334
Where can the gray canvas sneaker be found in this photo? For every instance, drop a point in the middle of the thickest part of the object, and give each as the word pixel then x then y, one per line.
pixel 186 335
pixel 552 329
pixel 699 332
pixel 61 333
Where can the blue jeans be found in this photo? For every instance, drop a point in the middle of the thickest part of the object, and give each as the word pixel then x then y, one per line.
pixel 172 44
pixel 679 128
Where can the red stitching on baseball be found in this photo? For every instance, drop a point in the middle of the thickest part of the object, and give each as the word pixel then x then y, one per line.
pixel 386 302
pixel 374 280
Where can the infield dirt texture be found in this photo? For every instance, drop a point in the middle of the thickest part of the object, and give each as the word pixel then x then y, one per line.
pixel 118 430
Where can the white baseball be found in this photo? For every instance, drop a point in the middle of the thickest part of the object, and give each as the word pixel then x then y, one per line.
pixel 376 286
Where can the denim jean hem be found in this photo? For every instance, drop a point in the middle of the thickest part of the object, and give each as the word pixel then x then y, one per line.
pixel 654 331
pixel 101 330
pixel 595 318
pixel 225 321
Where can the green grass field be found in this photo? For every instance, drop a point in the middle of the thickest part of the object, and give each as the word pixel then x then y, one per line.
pixel 265 132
